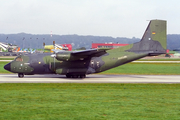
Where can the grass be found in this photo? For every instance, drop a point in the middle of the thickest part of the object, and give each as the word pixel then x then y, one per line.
pixel 154 59
pixel 6 58
pixel 89 101
pixel 94 101
pixel 146 68
pixel 2 70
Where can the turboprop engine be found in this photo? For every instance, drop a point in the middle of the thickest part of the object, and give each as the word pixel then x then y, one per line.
pixel 66 56
pixel 63 56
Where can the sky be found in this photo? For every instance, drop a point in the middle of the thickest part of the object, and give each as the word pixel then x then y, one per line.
pixel 115 18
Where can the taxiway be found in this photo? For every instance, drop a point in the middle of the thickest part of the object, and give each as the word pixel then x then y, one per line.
pixel 13 78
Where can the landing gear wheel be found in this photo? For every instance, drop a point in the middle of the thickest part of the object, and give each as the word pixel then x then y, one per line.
pixel 20 75
pixel 68 76
pixel 74 76
pixel 82 76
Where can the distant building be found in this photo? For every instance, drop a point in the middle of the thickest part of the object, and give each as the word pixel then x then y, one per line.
pixel 68 46
pixel 49 48
pixel 8 47
pixel 107 45
pixel 167 51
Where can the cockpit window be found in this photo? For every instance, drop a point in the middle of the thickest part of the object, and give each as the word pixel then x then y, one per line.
pixel 19 59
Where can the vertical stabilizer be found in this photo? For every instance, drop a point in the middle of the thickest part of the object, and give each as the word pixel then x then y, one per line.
pixel 154 40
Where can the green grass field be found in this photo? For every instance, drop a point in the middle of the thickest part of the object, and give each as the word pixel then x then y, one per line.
pixel 2 70
pixel 167 59
pixel 89 101
pixel 94 101
pixel 146 69
pixel 6 58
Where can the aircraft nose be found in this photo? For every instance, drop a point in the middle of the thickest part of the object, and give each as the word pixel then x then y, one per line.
pixel 7 67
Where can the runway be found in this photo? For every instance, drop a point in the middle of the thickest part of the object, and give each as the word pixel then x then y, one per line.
pixel 132 61
pixel 13 78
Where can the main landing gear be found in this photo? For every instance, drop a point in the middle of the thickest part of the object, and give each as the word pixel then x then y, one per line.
pixel 20 75
pixel 75 76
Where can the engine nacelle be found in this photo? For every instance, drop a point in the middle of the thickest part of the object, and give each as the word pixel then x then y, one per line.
pixel 66 56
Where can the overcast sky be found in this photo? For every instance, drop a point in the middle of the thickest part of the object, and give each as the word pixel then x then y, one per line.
pixel 116 18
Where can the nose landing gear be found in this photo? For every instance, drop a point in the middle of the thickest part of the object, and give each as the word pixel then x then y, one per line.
pixel 20 75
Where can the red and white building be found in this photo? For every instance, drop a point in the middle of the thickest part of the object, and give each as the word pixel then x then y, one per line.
pixel 107 45
pixel 67 46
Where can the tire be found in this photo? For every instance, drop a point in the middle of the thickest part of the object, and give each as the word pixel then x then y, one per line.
pixel 20 75
pixel 82 76
pixel 74 76
pixel 68 76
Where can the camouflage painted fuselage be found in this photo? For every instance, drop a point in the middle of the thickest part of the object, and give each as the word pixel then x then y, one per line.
pixel 45 64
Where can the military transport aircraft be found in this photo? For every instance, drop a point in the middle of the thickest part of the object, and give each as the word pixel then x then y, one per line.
pixel 76 64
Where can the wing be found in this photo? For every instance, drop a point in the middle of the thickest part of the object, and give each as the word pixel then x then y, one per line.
pixel 79 55
pixel 90 52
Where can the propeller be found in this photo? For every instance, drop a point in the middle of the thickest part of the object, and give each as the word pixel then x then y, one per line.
pixel 54 56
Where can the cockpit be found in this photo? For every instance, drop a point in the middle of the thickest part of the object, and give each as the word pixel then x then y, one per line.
pixel 18 59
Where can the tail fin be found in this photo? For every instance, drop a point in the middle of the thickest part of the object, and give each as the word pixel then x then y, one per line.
pixel 154 40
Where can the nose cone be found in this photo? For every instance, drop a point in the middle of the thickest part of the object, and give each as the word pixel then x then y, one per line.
pixel 7 67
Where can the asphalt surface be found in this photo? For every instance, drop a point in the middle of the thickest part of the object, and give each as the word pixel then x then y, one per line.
pixel 132 61
pixel 13 78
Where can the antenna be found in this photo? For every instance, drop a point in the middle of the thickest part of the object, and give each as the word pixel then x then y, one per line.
pixel 51 33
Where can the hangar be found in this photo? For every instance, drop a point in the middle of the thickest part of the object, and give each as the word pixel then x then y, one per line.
pixel 107 45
